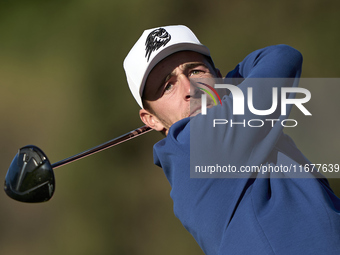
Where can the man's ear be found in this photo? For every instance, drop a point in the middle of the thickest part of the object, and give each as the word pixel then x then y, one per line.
pixel 151 120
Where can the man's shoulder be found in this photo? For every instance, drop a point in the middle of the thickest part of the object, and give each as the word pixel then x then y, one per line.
pixel 177 140
pixel 178 132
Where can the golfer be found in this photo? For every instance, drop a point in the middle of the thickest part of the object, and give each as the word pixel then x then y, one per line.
pixel 268 212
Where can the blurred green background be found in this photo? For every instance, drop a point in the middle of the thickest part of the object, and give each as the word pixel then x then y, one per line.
pixel 63 89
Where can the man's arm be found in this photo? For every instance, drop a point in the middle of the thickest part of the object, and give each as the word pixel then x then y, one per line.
pixel 274 66
pixel 278 61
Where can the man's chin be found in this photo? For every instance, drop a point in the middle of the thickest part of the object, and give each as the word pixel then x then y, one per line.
pixel 195 113
pixel 198 110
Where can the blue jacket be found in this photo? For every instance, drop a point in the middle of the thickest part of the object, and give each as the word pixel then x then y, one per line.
pixel 271 214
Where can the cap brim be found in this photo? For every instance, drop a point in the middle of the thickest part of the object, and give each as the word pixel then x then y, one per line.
pixel 199 48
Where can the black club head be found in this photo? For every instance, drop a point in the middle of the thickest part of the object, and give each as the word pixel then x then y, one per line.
pixel 30 177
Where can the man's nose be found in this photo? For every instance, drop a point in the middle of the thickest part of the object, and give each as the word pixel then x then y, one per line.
pixel 190 89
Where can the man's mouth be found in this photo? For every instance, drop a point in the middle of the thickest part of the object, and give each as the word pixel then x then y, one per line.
pixel 196 110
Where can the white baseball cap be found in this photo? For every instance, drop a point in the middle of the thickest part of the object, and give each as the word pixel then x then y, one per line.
pixel 153 46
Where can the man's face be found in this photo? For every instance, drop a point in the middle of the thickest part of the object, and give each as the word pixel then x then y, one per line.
pixel 168 91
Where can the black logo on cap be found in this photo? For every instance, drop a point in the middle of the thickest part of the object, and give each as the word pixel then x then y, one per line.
pixel 156 39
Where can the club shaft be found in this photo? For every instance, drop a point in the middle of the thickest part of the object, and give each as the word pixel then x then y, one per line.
pixel 104 146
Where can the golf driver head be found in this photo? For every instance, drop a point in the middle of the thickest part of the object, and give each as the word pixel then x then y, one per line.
pixel 30 177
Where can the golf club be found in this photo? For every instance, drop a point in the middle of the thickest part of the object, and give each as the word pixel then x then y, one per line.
pixel 30 177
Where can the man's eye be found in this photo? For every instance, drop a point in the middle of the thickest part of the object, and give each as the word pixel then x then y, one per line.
pixel 168 87
pixel 196 72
